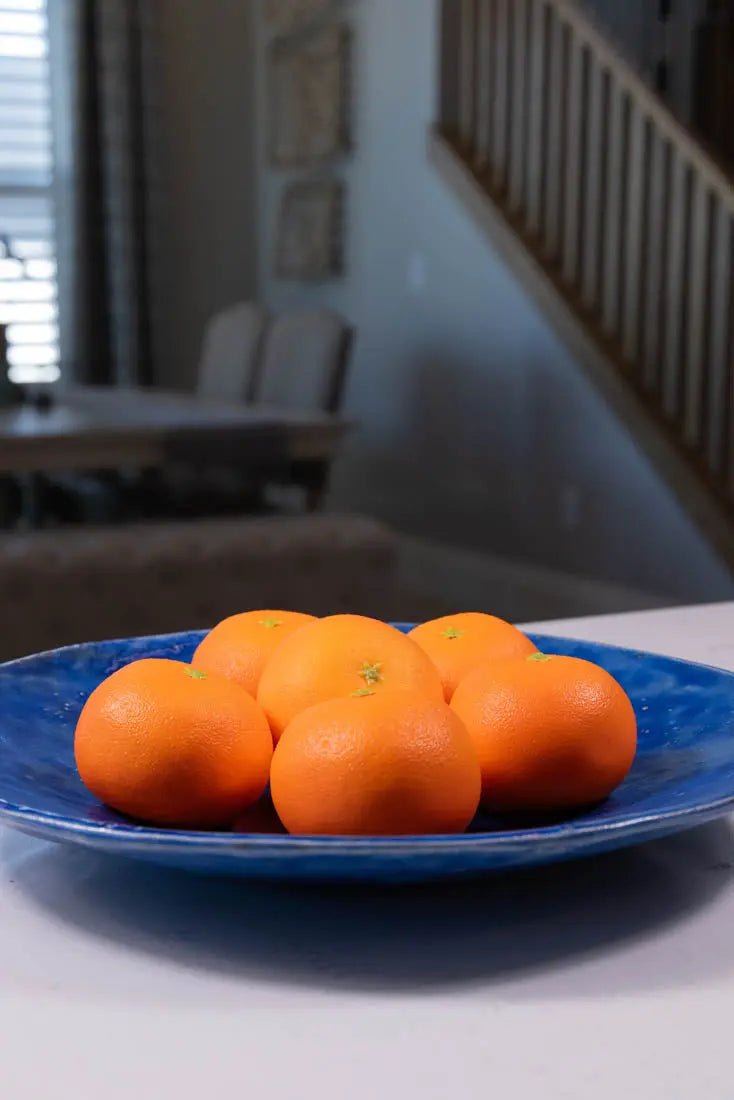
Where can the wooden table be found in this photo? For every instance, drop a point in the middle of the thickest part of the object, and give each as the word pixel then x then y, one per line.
pixel 605 979
pixel 95 428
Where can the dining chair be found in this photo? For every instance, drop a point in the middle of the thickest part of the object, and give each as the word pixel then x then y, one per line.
pixel 304 366
pixel 304 361
pixel 230 351
pixel 228 363
pixel 226 372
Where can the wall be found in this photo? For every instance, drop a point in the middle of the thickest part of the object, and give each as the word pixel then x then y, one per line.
pixel 205 215
pixel 635 27
pixel 647 40
pixel 476 427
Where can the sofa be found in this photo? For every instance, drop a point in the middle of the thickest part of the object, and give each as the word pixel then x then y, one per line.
pixel 86 584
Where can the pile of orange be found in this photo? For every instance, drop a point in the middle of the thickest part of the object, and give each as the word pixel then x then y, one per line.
pixel 356 728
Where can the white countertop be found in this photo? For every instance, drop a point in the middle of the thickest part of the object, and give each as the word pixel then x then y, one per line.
pixel 604 980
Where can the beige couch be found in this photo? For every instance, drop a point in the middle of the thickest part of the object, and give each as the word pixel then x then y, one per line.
pixel 60 587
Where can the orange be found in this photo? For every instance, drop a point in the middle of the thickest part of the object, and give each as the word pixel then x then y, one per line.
pixel 240 647
pixel 162 742
pixel 341 656
pixel 392 763
pixel 458 643
pixel 552 733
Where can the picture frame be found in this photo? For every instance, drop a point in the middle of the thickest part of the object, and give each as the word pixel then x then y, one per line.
pixel 285 16
pixel 310 97
pixel 310 245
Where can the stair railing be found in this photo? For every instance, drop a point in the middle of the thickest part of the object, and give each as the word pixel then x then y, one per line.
pixel 632 215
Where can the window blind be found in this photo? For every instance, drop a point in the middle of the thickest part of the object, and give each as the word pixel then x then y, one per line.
pixel 28 283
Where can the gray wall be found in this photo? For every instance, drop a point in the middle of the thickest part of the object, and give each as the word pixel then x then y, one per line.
pixel 204 191
pixel 644 39
pixel 476 427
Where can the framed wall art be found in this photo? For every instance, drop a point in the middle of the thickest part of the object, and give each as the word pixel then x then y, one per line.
pixel 284 16
pixel 310 231
pixel 310 100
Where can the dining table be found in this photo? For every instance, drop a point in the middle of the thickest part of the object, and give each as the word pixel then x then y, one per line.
pixel 607 977
pixel 81 428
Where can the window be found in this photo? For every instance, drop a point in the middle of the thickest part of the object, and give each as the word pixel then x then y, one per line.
pixel 28 285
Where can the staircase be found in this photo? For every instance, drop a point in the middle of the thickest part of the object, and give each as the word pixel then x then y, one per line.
pixel 614 218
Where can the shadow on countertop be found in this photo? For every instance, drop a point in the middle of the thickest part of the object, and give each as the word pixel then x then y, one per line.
pixel 501 929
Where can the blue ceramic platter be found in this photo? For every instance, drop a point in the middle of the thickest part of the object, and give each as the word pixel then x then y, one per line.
pixel 683 775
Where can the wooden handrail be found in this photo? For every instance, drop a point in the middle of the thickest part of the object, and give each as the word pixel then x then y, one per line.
pixel 613 194
pixel 608 56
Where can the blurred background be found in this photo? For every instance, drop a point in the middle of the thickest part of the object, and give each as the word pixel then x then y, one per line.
pixel 398 307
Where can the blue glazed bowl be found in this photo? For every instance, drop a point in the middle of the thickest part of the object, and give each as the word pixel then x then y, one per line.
pixel 683 776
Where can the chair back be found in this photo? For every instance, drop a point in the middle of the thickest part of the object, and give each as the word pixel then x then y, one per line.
pixel 304 362
pixel 230 352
